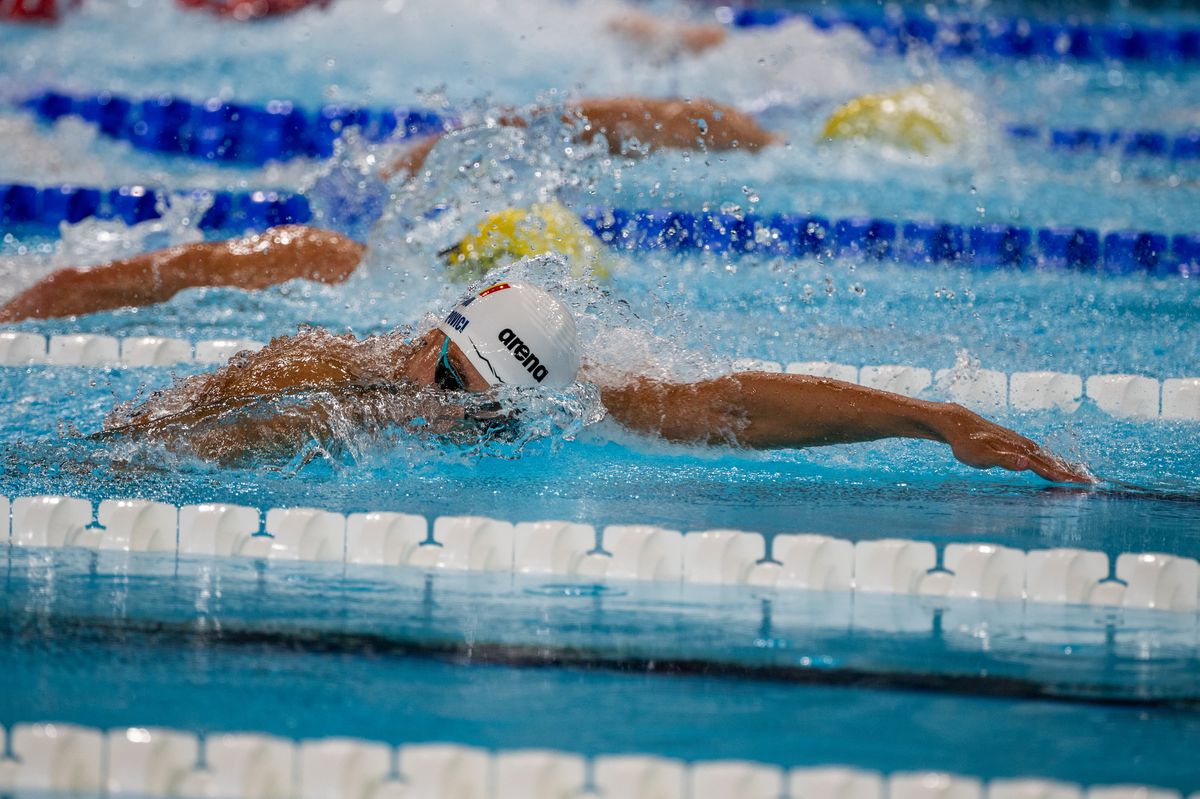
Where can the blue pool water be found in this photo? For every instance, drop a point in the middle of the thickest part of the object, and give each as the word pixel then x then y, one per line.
pixel 884 683
pixel 400 657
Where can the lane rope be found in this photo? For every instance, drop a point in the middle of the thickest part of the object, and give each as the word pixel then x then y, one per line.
pixel 227 132
pixel 1143 142
pixel 900 30
pixel 640 552
pixel 164 761
pixel 254 134
pixel 917 242
pixel 45 208
pixel 987 390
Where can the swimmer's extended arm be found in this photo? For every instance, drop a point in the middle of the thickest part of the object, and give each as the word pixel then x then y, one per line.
pixel 767 411
pixel 654 33
pixel 276 256
pixel 694 124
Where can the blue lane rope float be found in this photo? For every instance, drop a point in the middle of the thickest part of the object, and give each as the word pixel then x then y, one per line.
pixel 917 242
pixel 229 132
pixel 1020 37
pixel 241 133
pixel 226 211
pixel 1184 146
pixel 786 235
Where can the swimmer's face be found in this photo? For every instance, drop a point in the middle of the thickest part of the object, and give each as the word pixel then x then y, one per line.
pixel 441 364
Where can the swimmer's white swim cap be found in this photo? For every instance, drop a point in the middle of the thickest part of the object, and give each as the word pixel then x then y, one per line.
pixel 516 334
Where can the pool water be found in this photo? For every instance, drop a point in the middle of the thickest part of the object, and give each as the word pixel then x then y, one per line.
pixel 400 656
pixel 887 683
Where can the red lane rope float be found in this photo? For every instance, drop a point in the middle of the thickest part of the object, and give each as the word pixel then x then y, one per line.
pixel 34 10
pixel 242 10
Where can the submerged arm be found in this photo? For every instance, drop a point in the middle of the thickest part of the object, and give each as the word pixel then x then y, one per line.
pixel 243 430
pixel 276 256
pixel 768 411
pixel 311 388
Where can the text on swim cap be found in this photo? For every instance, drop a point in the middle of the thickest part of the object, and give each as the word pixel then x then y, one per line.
pixel 522 353
pixel 457 321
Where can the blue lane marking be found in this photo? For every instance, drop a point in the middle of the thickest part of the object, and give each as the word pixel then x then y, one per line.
pixel 235 133
pixel 227 211
pixel 1183 146
pixel 1020 37
pixel 219 131
pixel 916 242
pixel 912 242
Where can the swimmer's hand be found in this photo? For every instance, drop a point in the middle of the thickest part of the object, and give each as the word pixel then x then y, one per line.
pixel 412 161
pixel 982 444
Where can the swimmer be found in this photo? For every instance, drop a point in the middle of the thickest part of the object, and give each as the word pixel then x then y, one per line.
pixel 297 391
pixel 300 252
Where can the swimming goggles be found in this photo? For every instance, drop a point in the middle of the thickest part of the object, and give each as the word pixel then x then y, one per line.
pixel 445 376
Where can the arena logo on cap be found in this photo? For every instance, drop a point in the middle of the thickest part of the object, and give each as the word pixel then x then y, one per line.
pixel 493 289
pixel 522 353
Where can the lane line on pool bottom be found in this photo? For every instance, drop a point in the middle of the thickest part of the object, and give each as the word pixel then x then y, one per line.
pixel 988 390
pixel 165 762
pixel 889 566
pixel 625 660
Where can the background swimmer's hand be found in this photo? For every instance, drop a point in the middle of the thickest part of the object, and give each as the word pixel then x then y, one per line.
pixel 413 159
pixel 977 442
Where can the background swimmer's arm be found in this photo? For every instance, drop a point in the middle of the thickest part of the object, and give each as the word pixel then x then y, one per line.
pixel 276 256
pixel 768 411
pixel 651 32
pixel 694 124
